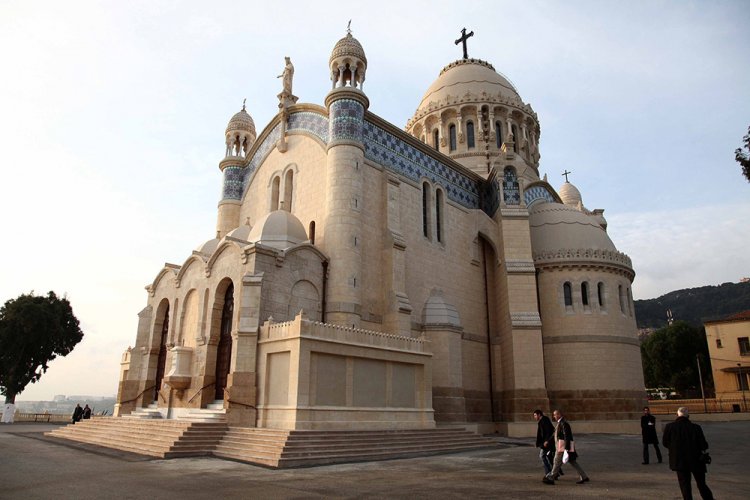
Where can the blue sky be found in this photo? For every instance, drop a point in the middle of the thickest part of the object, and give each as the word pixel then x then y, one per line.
pixel 113 117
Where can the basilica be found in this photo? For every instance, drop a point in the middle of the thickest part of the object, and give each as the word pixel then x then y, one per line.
pixel 366 275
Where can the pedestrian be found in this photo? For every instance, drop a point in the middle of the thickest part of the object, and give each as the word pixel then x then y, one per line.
pixel 86 412
pixel 77 413
pixel 648 432
pixel 688 454
pixel 545 440
pixel 564 442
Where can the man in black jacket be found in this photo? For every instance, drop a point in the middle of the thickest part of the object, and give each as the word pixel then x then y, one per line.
pixel 687 450
pixel 648 432
pixel 564 442
pixel 545 440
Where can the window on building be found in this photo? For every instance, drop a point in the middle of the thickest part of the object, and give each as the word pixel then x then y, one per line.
pixel 600 294
pixel 511 193
pixel 288 189
pixel 568 294
pixel 718 343
pixel 515 138
pixel 498 135
pixel 436 140
pixel 742 377
pixel 439 215
pixel 452 137
pixel 744 345
pixel 311 232
pixel 621 295
pixel 470 134
pixel 426 209
pixel 275 193
pixel 585 293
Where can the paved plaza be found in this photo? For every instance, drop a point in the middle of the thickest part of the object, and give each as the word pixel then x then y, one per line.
pixel 34 466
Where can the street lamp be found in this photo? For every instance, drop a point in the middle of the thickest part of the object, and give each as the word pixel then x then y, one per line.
pixel 742 385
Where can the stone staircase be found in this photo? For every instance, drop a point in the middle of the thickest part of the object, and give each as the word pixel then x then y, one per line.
pixel 147 436
pixel 283 448
pixel 195 436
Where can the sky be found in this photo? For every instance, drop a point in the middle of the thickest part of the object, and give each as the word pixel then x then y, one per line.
pixel 112 118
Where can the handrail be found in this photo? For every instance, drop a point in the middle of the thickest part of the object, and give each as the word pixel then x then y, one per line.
pixel 200 390
pixel 138 396
pixel 229 400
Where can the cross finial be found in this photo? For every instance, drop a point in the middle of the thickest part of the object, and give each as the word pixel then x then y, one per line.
pixel 243 103
pixel 566 173
pixel 349 27
pixel 464 37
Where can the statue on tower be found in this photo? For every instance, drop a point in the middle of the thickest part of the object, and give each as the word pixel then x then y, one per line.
pixel 286 98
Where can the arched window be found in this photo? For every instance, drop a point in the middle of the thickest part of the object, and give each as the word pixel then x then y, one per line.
pixel 511 193
pixel 275 193
pixel 600 294
pixel 470 134
pixel 439 214
pixel 585 293
pixel 629 298
pixel 515 138
pixel 311 232
pixel 426 209
pixel 288 188
pixel 568 294
pixel 498 134
pixel 436 140
pixel 621 294
pixel 452 137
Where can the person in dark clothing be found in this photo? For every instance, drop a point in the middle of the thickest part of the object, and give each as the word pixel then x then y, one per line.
pixel 648 431
pixel 564 442
pixel 86 412
pixel 77 413
pixel 687 451
pixel 545 440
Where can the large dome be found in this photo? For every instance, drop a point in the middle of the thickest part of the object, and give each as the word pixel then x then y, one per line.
pixel 468 76
pixel 555 226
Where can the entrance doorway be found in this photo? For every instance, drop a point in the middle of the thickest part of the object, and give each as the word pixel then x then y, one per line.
pixel 224 349
pixel 162 360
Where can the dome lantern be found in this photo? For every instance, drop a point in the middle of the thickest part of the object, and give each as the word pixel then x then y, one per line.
pixel 348 62
pixel 240 134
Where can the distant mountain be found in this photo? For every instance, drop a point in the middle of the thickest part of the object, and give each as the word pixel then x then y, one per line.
pixel 694 305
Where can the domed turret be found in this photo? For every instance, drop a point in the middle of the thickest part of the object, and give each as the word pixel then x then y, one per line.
pixel 570 195
pixel 348 63
pixel 240 134
pixel 475 115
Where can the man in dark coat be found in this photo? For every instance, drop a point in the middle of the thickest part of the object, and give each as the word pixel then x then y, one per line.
pixel 545 440
pixel 77 413
pixel 648 431
pixel 687 448
pixel 564 442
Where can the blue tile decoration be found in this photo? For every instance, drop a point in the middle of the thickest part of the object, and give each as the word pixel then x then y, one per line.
pixel 346 117
pixel 491 194
pixel 537 193
pixel 311 122
pixel 388 150
pixel 233 177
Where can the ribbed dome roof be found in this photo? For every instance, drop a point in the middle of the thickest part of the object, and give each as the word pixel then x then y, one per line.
pixel 241 121
pixel 208 247
pixel 472 76
pixel 348 46
pixel 569 194
pixel 555 226
pixel 279 229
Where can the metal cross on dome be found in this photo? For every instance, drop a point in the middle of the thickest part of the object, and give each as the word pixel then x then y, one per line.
pixel 566 173
pixel 464 37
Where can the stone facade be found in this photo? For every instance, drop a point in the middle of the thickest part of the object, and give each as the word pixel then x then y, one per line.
pixel 729 350
pixel 439 278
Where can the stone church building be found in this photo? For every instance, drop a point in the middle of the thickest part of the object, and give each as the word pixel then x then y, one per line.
pixel 368 276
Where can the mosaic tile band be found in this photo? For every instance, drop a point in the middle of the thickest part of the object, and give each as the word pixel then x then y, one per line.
pixel 346 118
pixel 535 194
pixel 308 121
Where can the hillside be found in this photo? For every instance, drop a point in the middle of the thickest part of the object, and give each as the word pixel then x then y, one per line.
pixel 694 305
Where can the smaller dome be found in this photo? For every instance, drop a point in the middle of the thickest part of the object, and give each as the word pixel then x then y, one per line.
pixel 439 312
pixel 569 194
pixel 209 247
pixel 279 229
pixel 348 46
pixel 241 121
pixel 240 233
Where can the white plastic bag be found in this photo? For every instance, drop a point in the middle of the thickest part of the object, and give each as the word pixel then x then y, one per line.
pixel 566 457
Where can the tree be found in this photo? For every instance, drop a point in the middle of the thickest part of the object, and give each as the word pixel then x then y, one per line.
pixel 34 330
pixel 669 357
pixel 742 157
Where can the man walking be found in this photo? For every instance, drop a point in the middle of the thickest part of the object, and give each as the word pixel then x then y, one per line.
pixel 564 442
pixel 648 432
pixel 545 439
pixel 687 452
